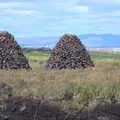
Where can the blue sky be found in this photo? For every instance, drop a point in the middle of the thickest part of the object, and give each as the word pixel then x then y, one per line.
pixel 56 17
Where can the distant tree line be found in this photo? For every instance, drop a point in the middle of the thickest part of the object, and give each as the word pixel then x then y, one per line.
pixel 42 49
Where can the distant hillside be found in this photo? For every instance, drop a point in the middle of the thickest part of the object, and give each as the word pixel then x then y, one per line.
pixel 89 40
pixel 42 49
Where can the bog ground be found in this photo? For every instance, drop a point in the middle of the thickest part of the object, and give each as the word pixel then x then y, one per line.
pixel 73 88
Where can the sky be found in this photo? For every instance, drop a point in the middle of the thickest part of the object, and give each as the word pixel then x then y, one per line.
pixel 26 18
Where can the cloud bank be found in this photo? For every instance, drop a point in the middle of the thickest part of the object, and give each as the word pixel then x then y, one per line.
pixel 56 17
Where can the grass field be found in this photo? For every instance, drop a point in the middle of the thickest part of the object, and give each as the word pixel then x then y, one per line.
pixel 74 87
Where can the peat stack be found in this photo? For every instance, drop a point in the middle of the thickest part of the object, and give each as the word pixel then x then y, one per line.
pixel 69 53
pixel 11 55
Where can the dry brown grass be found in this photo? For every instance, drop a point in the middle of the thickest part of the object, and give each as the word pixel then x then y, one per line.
pixel 79 85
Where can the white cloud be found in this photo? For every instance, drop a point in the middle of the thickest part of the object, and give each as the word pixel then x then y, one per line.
pixel 6 19
pixel 75 9
pixel 71 20
pixel 105 14
pixel 81 8
pixel 104 1
pixel 21 12
pixel 11 4
pixel 59 15
pixel 115 13
pixel 20 35
pixel 71 6
pixel 88 19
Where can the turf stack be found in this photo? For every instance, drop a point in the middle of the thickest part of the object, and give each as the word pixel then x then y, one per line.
pixel 69 53
pixel 11 55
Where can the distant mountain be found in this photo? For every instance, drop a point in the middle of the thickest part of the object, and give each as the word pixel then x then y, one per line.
pixel 89 40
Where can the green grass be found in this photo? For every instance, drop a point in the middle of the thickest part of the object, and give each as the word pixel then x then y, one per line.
pixel 74 87
pixel 32 55
pixel 37 56
pixel 102 59
pixel 105 55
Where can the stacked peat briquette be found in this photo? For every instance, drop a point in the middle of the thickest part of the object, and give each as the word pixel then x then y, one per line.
pixel 69 53
pixel 11 55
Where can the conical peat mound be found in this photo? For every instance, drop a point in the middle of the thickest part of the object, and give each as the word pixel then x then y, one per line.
pixel 11 55
pixel 69 53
